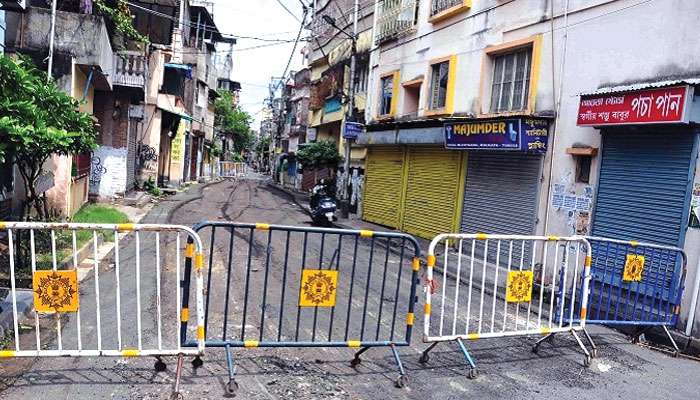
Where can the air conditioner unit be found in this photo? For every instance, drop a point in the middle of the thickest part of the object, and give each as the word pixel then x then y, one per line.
pixel 13 5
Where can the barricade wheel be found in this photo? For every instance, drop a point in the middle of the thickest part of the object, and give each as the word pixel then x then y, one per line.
pixel 160 366
pixel 197 363
pixel 594 353
pixel 473 373
pixel 177 396
pixel 231 388
pixel 401 381
pixel 424 358
pixel 587 361
pixel 355 362
pixel 535 349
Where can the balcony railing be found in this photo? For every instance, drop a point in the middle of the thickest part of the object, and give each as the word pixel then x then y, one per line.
pixel 396 18
pixel 438 6
pixel 130 69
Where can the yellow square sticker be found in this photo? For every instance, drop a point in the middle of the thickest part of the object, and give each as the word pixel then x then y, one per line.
pixel 55 291
pixel 634 267
pixel 519 287
pixel 318 288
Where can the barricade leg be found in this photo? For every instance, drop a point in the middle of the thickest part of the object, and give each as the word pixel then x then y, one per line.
pixel 160 365
pixel 473 373
pixel 594 348
pixel 673 342
pixel 425 357
pixel 176 395
pixel 588 359
pixel 232 386
pixel 402 380
pixel 356 361
pixel 536 346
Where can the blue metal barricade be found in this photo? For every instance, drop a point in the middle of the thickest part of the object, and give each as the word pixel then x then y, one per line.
pixel 283 286
pixel 635 284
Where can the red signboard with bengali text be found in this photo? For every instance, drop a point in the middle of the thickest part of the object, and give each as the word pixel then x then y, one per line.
pixel 649 106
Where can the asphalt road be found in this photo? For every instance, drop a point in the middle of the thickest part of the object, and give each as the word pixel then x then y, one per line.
pixel 509 370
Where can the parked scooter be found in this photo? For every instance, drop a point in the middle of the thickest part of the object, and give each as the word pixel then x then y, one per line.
pixel 323 204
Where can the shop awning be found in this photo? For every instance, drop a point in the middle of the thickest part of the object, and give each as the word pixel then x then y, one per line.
pixel 184 68
pixel 641 86
pixel 169 104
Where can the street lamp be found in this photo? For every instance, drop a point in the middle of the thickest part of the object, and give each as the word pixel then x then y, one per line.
pixel 349 112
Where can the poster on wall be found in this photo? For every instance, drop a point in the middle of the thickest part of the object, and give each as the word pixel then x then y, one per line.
pixel 178 144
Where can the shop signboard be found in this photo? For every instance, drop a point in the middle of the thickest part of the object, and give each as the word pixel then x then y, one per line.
pixel 352 130
pixel 512 134
pixel 649 106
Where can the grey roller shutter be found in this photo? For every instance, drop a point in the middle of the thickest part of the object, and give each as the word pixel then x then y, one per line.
pixel 501 192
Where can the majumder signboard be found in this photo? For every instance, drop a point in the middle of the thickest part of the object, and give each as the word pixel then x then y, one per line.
pixel 648 106
pixel 511 134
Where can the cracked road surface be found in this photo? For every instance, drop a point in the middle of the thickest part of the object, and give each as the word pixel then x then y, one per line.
pixel 509 370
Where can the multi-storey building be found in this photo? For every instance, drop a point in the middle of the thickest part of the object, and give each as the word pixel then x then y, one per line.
pixel 536 117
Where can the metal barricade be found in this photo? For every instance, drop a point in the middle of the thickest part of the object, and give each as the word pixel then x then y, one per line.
pixel 496 286
pixel 230 169
pixel 283 286
pixel 101 290
pixel 635 284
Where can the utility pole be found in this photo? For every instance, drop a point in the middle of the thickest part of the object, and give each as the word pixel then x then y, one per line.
pixel 51 39
pixel 350 116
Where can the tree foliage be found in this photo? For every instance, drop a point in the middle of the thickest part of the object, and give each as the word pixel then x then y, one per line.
pixel 321 153
pixel 38 120
pixel 231 120
pixel 122 18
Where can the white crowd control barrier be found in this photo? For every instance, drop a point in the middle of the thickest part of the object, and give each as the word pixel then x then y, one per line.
pixel 496 286
pixel 128 303
pixel 230 169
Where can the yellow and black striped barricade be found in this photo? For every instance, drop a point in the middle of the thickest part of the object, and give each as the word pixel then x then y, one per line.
pixel 101 290
pixel 497 286
pixel 635 284
pixel 287 286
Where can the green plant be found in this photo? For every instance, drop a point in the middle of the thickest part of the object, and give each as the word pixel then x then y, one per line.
pixel 215 150
pixel 321 153
pixel 234 122
pixel 38 120
pixel 122 19
pixel 155 191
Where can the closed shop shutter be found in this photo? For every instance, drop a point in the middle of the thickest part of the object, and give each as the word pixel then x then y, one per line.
pixel 501 191
pixel 432 191
pixel 383 186
pixel 643 195
pixel 643 187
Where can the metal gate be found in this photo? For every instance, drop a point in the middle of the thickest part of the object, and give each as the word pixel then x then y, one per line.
pixel 497 294
pixel 282 286
pixel 117 308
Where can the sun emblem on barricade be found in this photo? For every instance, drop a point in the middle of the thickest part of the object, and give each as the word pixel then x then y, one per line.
pixel 519 287
pixel 634 267
pixel 55 291
pixel 318 288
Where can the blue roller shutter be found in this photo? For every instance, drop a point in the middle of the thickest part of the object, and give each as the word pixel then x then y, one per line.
pixel 643 195
pixel 643 188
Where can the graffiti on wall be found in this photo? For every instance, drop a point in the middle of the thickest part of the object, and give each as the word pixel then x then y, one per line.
pixel 97 171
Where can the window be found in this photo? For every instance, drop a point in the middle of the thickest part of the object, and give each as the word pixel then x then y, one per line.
pixel 438 85
pixel 411 101
pixel 583 169
pixel 511 81
pixel 361 77
pixel 387 95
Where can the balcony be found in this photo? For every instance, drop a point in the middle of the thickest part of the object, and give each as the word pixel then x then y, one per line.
pixel 443 9
pixel 396 18
pixel 130 69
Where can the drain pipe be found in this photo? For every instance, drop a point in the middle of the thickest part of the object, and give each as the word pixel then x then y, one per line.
pixel 556 97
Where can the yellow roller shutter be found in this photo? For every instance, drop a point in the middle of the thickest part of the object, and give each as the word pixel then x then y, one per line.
pixel 434 191
pixel 383 186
